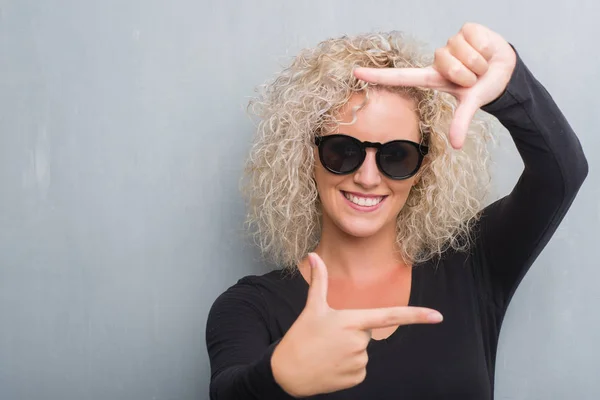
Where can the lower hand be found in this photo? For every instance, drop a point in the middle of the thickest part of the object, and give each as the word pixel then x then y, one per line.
pixel 325 350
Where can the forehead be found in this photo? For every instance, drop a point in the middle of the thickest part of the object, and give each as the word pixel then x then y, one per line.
pixel 385 116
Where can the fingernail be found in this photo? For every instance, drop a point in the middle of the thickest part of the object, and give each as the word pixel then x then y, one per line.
pixel 435 317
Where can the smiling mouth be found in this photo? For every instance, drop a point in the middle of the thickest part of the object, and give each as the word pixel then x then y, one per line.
pixel 363 201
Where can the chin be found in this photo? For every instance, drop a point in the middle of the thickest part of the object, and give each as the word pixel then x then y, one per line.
pixel 361 229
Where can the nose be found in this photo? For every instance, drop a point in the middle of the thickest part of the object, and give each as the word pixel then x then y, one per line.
pixel 368 175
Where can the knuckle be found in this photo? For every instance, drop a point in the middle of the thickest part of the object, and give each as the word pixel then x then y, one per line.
pixel 432 80
pixel 470 81
pixel 365 338
pixel 484 46
pixel 423 316
pixel 386 319
pixel 363 360
pixel 389 319
pixel 417 317
pixel 359 376
pixel 469 27
pixel 473 34
pixel 364 341
pixel 428 81
pixel 472 61
pixel 454 71
pixel 359 362
pixel 440 52
pixel 356 344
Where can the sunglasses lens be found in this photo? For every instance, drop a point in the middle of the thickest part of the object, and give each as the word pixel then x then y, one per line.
pixel 341 154
pixel 399 159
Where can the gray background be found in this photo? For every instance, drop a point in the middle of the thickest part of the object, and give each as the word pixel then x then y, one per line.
pixel 122 134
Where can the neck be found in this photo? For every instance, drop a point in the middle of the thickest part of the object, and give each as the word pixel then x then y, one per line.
pixel 358 259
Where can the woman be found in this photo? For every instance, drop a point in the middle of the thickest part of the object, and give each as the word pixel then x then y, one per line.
pixel 355 188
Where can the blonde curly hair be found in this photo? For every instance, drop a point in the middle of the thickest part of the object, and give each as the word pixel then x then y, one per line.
pixel 302 101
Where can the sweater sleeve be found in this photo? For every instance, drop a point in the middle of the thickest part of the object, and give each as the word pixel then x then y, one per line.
pixel 239 346
pixel 516 228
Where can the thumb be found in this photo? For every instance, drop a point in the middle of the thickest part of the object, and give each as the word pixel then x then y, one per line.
pixel 463 115
pixel 317 291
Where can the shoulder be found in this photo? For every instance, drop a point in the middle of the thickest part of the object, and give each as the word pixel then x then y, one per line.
pixel 256 292
pixel 271 283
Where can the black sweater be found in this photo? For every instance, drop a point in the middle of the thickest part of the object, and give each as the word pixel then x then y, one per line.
pixel 452 360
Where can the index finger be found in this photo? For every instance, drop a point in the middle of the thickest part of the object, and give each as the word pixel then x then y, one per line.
pixel 391 316
pixel 426 77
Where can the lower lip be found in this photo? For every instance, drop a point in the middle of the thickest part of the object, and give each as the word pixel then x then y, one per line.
pixel 363 208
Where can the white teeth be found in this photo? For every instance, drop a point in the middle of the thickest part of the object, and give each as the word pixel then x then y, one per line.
pixel 363 201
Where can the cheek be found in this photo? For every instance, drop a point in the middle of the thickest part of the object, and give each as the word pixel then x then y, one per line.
pixel 328 187
pixel 325 180
pixel 402 189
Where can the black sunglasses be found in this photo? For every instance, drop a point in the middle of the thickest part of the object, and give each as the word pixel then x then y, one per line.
pixel 343 154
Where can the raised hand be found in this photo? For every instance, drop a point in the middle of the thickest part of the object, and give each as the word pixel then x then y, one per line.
pixel 325 350
pixel 474 66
